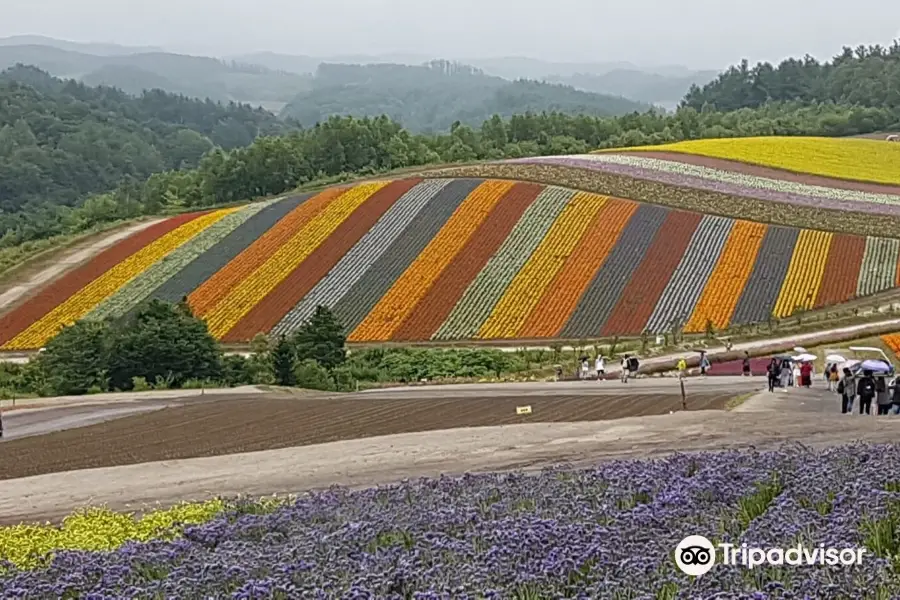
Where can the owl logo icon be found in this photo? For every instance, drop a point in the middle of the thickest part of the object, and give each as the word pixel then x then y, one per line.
pixel 695 555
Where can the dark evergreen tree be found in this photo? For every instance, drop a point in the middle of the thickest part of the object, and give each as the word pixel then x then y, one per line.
pixel 77 359
pixel 321 339
pixel 284 357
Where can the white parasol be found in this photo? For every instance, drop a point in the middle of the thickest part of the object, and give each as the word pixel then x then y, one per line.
pixel 806 357
pixel 835 358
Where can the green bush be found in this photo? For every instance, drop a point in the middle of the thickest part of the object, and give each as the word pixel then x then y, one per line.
pixel 311 375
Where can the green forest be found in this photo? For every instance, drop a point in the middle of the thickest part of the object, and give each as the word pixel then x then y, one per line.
pixel 75 158
pixel 431 97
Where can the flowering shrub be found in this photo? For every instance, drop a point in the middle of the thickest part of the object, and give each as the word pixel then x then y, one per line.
pixel 606 532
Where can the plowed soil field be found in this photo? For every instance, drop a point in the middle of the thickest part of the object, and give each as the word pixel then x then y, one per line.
pixel 244 424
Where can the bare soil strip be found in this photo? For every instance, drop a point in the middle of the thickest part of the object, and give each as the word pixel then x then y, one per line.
pixel 38 274
pixel 372 461
pixel 228 426
pixel 772 173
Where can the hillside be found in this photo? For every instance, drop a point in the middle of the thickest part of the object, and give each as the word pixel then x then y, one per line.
pixel 139 70
pixel 433 97
pixel 863 76
pixel 61 141
pixel 664 90
pixel 483 253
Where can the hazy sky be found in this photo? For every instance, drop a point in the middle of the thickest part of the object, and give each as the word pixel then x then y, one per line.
pixel 698 33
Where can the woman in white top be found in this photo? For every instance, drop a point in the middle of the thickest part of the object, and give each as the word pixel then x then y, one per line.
pixel 600 367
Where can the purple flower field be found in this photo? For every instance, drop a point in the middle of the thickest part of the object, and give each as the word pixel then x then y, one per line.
pixel 608 532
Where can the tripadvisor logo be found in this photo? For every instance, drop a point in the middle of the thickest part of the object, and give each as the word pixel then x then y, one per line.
pixel 695 555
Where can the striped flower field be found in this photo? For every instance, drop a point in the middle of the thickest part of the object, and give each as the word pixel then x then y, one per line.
pixel 463 259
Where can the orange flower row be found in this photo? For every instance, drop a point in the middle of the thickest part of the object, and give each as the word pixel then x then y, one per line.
pixel 725 284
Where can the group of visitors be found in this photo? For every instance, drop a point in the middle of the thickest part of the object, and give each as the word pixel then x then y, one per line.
pixel 868 388
pixel 629 368
pixel 785 373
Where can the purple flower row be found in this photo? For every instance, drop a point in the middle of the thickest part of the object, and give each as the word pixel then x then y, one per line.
pixel 702 183
pixel 607 532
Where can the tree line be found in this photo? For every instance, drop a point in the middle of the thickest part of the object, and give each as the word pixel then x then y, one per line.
pixel 165 346
pixel 205 166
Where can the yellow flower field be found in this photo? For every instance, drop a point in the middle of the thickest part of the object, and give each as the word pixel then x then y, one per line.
pixel 843 158
pixel 81 303
pixel 98 529
pixel 526 289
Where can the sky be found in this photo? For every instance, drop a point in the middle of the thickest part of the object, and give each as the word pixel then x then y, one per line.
pixel 694 33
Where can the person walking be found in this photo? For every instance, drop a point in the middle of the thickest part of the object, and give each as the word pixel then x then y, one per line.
pixel 895 396
pixel 847 389
pixel 625 365
pixel 865 389
pixel 585 367
pixel 681 367
pixel 746 371
pixel 785 375
pixel 704 364
pixel 806 373
pixel 833 378
pixel 774 372
pixel 882 396
pixel 600 367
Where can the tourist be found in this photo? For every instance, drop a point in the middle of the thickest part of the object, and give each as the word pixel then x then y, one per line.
pixel 785 375
pixel 882 396
pixel 704 363
pixel 774 372
pixel 895 396
pixel 865 389
pixel 682 368
pixel 585 367
pixel 847 389
pixel 796 375
pixel 600 367
pixel 833 377
pixel 745 366
pixel 806 374
pixel 625 365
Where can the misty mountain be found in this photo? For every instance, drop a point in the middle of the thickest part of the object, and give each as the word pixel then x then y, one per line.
pixel 663 90
pixel 432 97
pixel 97 49
pixel 194 76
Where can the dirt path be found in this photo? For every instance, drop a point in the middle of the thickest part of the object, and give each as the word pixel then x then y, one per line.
pixel 764 421
pixel 66 260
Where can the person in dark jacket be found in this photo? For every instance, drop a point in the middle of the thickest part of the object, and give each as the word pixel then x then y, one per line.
pixel 865 389
pixel 895 396
pixel 746 371
pixel 774 372
pixel 847 389
pixel 882 396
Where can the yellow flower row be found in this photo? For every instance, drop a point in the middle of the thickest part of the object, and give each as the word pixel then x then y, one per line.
pixel 726 282
pixel 415 282
pixel 83 301
pixel 804 276
pixel 842 158
pixel 251 290
pixel 98 529
pixel 525 291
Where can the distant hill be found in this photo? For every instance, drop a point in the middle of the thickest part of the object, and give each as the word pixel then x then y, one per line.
pixel 664 90
pixel 133 72
pixel 98 49
pixel 434 96
pixel 62 140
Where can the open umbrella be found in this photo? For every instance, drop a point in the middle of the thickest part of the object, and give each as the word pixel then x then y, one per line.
pixel 848 364
pixel 835 358
pixel 806 357
pixel 875 365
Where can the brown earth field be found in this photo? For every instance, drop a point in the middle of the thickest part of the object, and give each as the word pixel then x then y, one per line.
pixel 214 427
pixel 761 171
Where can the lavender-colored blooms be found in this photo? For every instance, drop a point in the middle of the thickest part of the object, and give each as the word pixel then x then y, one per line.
pixel 690 181
pixel 607 532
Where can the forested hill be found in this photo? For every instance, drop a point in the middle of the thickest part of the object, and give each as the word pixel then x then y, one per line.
pixel 865 76
pixel 431 97
pixel 62 140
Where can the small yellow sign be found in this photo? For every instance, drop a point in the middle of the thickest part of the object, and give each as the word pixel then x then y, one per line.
pixel 523 410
